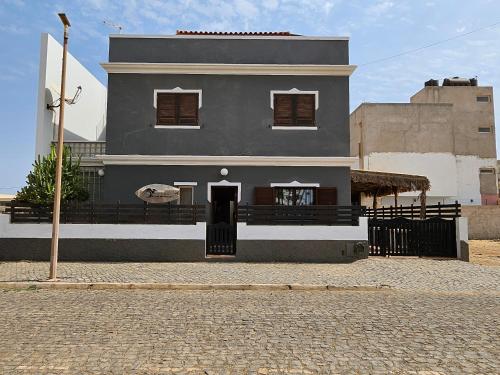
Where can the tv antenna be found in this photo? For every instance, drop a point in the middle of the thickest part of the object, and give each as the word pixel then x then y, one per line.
pixel 113 26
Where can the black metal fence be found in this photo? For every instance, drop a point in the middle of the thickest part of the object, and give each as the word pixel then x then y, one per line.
pixel 100 213
pixel 448 211
pixel 221 239
pixel 300 215
pixel 405 237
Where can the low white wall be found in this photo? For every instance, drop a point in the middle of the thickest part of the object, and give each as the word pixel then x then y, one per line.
pixel 104 231
pixel 304 232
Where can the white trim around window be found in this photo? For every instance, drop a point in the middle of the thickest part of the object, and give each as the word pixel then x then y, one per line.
pixel 279 127
pixel 177 90
pixel 182 183
pixel 192 127
pixel 293 184
pixel 222 183
pixel 295 91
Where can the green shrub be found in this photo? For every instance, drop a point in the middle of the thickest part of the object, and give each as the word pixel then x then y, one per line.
pixel 40 183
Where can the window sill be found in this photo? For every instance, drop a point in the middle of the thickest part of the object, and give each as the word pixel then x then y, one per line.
pixel 177 127
pixel 294 127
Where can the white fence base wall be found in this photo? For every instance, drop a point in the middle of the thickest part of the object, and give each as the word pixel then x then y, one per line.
pixel 304 232
pixel 182 243
pixel 104 231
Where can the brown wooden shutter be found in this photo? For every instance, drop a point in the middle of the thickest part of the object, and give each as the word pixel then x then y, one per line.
pixel 188 109
pixel 326 196
pixel 283 110
pixel 165 109
pixel 264 195
pixel 305 108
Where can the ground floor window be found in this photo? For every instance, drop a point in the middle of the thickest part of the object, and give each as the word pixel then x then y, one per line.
pixel 93 182
pixel 185 195
pixel 294 196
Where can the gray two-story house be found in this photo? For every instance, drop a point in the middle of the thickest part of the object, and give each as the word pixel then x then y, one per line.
pixel 231 119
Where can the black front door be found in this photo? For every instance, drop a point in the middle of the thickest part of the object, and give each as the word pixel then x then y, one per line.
pixel 221 225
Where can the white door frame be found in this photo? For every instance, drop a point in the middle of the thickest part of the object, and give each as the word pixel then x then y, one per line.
pixel 222 183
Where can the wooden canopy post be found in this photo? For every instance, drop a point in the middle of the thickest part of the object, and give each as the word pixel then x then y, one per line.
pixel 374 204
pixel 423 199
pixel 395 191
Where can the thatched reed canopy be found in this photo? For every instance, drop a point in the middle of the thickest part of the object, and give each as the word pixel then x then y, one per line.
pixel 383 183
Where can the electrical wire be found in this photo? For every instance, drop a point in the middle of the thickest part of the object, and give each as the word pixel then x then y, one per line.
pixel 429 45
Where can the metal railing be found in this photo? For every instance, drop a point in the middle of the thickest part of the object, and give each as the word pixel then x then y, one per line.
pixel 448 211
pixel 300 215
pixel 86 149
pixel 105 213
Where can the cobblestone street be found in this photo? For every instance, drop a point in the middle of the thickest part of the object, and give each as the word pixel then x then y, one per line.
pixel 244 332
pixel 397 273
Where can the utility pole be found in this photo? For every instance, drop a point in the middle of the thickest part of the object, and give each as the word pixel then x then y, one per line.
pixel 60 147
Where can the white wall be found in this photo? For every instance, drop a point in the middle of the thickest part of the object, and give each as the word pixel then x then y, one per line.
pixel 304 232
pixel 439 168
pixel 84 120
pixel 451 177
pixel 110 231
pixel 468 177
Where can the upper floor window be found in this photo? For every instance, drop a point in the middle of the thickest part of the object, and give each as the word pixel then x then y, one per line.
pixel 294 109
pixel 484 130
pixel 487 170
pixel 177 109
pixel 483 98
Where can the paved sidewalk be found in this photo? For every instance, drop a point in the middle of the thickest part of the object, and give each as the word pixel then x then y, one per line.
pixel 398 273
pixel 248 332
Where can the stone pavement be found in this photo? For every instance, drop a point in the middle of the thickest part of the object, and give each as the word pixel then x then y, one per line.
pixel 399 273
pixel 248 332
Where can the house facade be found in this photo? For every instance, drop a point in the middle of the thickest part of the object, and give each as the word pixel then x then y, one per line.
pixel 231 120
pixel 271 111
pixel 446 133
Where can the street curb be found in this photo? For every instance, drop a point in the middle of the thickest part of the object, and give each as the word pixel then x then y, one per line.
pixel 173 286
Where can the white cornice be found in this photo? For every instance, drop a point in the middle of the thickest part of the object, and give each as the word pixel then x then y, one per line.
pixel 255 37
pixel 275 161
pixel 231 69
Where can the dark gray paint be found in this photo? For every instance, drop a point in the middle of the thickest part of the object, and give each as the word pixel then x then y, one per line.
pixel 107 250
pixel 120 182
pixel 464 251
pixel 228 51
pixel 300 251
pixel 235 118
pixel 140 250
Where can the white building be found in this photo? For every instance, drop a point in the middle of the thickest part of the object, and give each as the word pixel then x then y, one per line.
pixel 84 121
pixel 446 133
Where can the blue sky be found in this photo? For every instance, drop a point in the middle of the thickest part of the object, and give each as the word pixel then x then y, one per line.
pixel 377 28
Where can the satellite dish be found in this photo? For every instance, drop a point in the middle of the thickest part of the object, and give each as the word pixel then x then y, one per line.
pixel 158 193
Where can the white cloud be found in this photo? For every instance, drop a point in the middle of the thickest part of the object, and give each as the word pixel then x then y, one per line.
pixel 379 9
pixel 246 9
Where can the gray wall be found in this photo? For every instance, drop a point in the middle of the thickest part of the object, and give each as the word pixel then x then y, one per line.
pixel 140 250
pixel 228 51
pixel 120 182
pixel 235 116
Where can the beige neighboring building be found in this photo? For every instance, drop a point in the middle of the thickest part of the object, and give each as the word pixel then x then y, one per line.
pixel 446 133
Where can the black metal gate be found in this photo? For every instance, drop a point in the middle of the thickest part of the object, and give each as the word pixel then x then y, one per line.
pixel 221 239
pixel 405 237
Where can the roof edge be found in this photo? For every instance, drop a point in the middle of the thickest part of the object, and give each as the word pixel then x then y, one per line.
pixel 250 37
